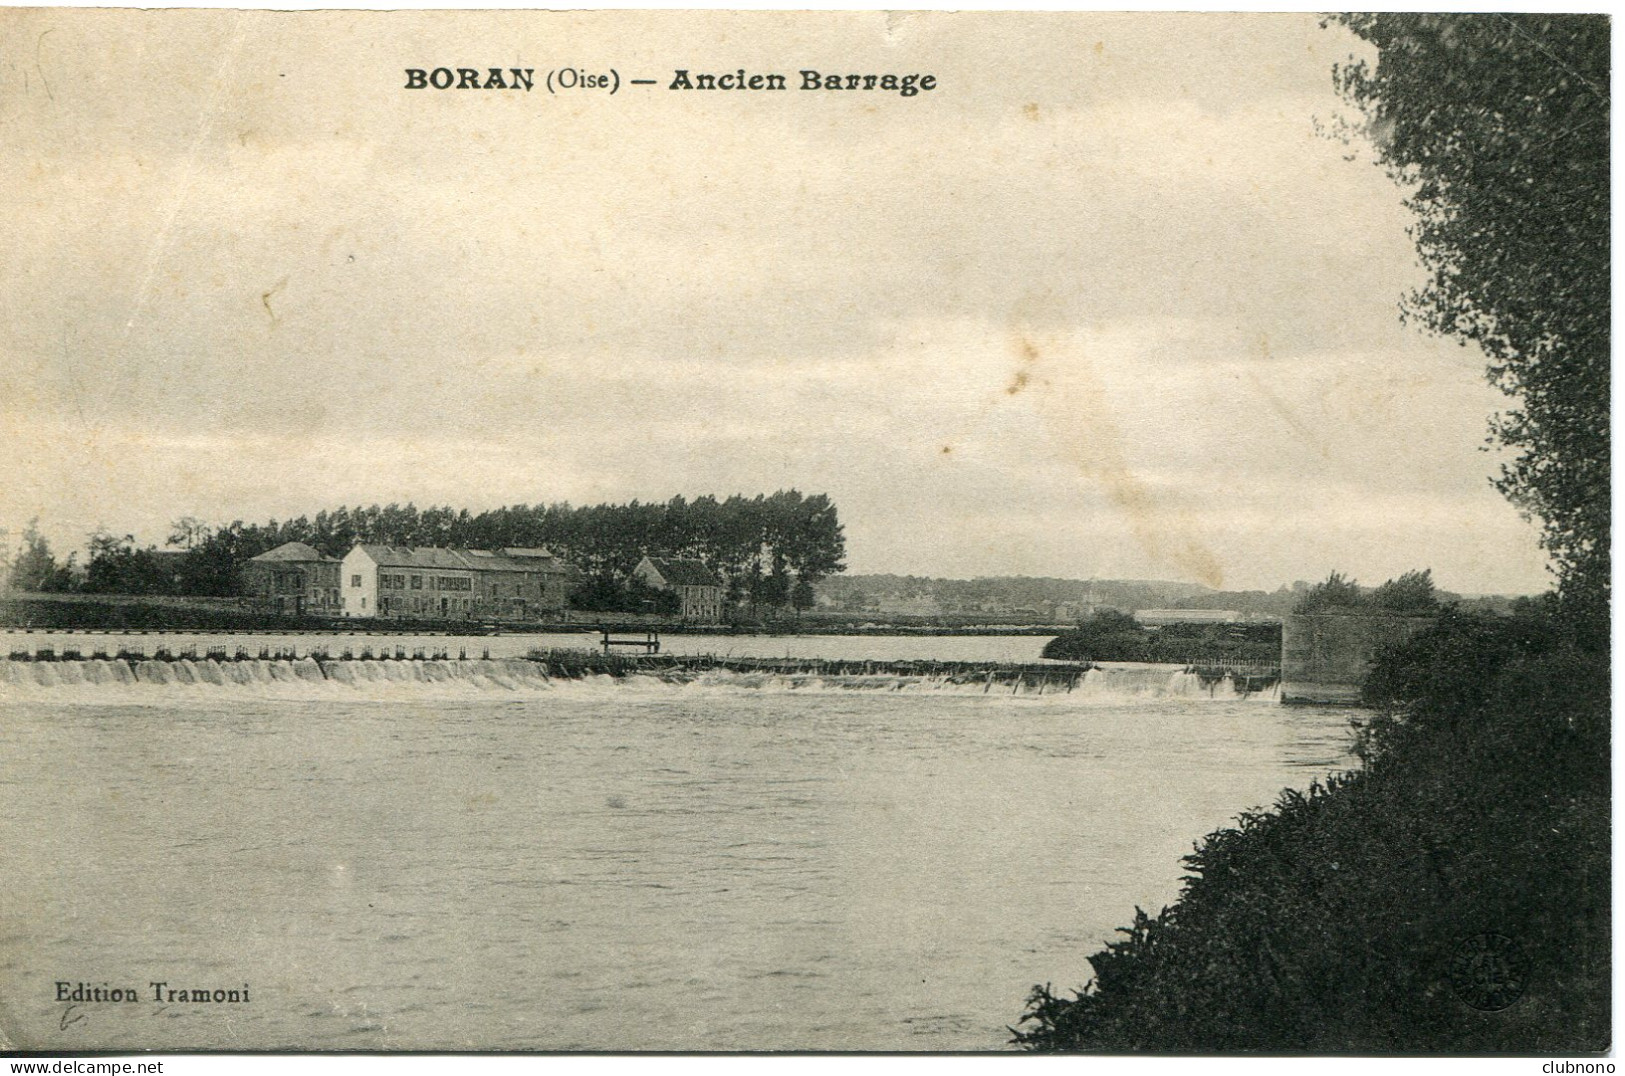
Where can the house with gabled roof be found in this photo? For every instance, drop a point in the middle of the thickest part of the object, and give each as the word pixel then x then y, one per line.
pixel 698 588
pixel 293 580
pixel 433 583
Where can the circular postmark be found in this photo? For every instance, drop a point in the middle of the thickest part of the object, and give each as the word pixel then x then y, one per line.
pixel 1489 971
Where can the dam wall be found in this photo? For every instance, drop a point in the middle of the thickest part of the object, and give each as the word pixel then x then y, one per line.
pixel 1325 657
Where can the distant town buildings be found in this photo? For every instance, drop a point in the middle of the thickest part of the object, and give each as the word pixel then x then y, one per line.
pixel 432 583
pixel 914 605
pixel 697 586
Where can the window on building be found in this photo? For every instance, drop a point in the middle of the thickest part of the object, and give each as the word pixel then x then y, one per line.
pixel 417 582
pixel 355 580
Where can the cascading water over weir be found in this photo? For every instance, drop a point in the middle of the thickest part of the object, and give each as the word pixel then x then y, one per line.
pixel 278 675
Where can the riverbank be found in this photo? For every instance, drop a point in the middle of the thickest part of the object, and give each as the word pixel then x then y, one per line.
pixel 109 612
pixel 1457 884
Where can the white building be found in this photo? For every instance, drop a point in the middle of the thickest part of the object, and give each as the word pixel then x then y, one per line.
pixel 429 583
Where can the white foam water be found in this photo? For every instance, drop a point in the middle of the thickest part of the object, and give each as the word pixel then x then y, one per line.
pixel 163 682
pixel 112 680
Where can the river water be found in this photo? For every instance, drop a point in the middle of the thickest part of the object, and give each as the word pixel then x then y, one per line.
pixel 743 862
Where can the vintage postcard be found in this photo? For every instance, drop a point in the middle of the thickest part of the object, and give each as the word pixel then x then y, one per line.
pixel 804 531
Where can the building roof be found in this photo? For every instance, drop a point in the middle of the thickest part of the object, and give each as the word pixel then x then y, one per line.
pixel 388 556
pixel 289 552
pixel 684 573
pixel 459 560
pixel 506 561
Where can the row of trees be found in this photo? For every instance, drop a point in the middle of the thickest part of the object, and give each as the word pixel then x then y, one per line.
pixel 1411 593
pixel 771 549
pixel 116 565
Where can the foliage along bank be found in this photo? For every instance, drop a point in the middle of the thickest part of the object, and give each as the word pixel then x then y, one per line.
pixel 1353 917
pixel 1108 635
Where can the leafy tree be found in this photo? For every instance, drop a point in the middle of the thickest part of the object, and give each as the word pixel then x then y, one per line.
pixel 1107 635
pixel 1497 125
pixel 188 531
pixel 1336 594
pixel 114 566
pixel 1411 593
pixel 35 567
pixel 802 595
pixel 773 589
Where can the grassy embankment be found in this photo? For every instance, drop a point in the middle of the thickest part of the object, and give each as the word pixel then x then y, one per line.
pixel 1451 894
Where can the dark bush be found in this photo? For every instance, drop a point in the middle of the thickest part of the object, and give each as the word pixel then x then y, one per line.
pixel 1109 635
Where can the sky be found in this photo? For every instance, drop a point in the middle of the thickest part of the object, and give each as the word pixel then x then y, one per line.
pixel 1106 302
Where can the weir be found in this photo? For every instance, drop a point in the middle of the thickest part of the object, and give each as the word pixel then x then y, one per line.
pixel 137 678
pixel 510 673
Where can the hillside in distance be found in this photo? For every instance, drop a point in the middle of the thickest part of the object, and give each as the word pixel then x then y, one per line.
pixel 1061 599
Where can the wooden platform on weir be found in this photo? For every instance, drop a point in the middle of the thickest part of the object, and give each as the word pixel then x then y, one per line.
pixel 649 641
